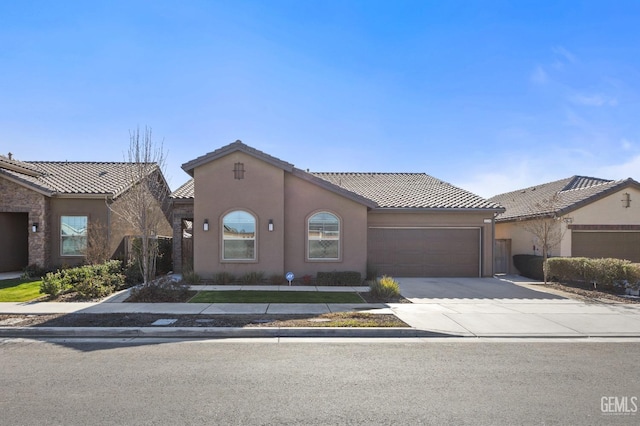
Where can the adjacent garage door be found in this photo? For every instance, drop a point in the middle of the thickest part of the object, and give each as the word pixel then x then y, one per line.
pixel 425 252
pixel 621 245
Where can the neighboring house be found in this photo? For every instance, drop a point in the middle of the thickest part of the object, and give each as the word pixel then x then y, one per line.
pixel 595 217
pixel 246 211
pixel 46 209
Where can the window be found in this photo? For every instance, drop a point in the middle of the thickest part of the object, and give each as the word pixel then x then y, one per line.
pixel 323 236
pixel 73 235
pixel 239 236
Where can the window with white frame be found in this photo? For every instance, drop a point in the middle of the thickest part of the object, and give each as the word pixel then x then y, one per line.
pixel 73 235
pixel 239 236
pixel 323 237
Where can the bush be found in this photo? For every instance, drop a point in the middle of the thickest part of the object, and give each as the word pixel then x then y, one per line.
pixel 34 271
pixel 132 273
pixel 223 278
pixel 191 278
pixel 606 272
pixel 277 279
pixel 385 288
pixel 253 277
pixel 89 281
pixel 54 284
pixel 164 261
pixel 529 266
pixel 339 278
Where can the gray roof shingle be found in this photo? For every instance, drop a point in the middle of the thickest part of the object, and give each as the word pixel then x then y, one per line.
pixel 572 193
pixel 72 178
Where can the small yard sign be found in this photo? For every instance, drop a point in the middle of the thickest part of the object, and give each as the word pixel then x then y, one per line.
pixel 289 277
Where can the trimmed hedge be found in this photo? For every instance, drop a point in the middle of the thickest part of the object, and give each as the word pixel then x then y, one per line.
pixel 89 282
pixel 606 272
pixel 529 266
pixel 339 278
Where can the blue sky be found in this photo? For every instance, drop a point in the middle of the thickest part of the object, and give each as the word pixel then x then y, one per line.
pixel 491 96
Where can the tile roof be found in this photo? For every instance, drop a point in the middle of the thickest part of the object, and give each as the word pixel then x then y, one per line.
pixel 408 190
pixel 572 193
pixel 381 190
pixel 185 191
pixel 71 178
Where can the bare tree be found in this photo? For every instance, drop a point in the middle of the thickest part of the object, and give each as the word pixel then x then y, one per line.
pixel 545 224
pixel 98 250
pixel 143 206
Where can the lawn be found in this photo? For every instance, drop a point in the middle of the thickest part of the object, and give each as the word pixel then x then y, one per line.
pixel 276 297
pixel 19 290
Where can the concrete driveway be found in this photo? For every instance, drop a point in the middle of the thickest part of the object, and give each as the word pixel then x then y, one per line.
pixel 424 290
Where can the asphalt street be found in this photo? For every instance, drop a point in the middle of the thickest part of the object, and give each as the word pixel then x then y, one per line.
pixel 319 382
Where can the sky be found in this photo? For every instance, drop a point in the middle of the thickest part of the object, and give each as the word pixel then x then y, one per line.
pixel 491 96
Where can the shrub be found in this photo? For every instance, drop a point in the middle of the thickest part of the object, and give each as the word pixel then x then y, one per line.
pixel 54 284
pixel 191 277
pixel 307 279
pixel 339 278
pixel 606 272
pixel 223 278
pixel 89 281
pixel 132 273
pixel 529 266
pixel 384 288
pixel 277 279
pixel 34 271
pixel 372 272
pixel 164 261
pixel 253 277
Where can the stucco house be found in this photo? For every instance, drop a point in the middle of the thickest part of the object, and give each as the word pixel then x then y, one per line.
pixel 47 207
pixel 595 218
pixel 246 211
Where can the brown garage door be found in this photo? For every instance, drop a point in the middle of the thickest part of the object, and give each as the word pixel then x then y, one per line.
pixel 422 252
pixel 621 245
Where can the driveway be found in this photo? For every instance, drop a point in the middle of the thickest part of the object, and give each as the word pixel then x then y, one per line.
pixel 420 290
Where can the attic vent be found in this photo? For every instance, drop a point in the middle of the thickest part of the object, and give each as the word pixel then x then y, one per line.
pixel 102 173
pixel 238 171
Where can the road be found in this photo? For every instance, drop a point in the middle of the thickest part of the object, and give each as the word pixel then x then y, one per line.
pixel 430 381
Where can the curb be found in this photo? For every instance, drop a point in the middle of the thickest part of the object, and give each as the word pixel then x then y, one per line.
pixel 213 332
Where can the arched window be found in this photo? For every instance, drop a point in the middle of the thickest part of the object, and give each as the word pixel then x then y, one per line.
pixel 323 237
pixel 239 236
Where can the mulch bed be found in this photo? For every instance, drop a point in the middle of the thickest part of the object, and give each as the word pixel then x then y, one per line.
pixel 583 292
pixel 337 319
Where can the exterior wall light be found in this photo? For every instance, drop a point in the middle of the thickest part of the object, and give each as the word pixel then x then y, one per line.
pixel 205 226
pixel 270 225
pixel 34 227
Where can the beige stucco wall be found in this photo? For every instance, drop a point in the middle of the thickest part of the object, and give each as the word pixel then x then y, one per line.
pixel 606 211
pixel 471 219
pixel 94 209
pixel 270 193
pixel 302 199
pixel 261 193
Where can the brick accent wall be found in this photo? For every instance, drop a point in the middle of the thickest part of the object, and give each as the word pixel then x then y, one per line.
pixel 16 198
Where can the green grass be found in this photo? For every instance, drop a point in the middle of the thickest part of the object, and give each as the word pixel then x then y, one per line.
pixel 251 296
pixel 19 290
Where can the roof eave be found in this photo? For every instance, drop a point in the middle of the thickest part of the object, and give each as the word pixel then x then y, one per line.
pixel 27 184
pixel 236 146
pixel 440 209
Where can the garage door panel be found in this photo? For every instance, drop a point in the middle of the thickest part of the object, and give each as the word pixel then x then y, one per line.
pixel 432 252
pixel 620 245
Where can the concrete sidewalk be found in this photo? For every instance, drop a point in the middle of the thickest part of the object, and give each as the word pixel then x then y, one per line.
pixel 532 313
